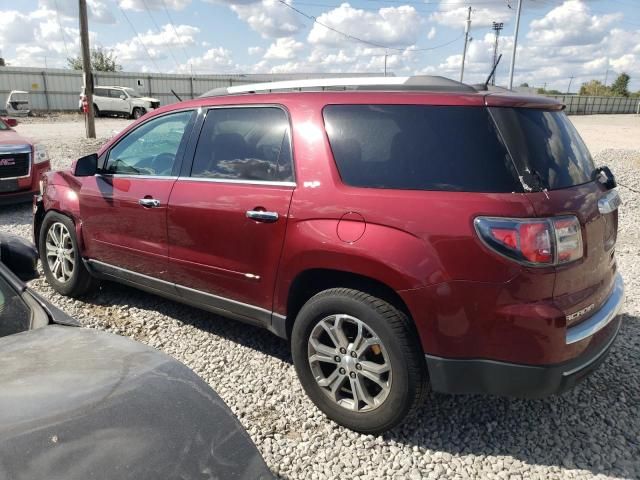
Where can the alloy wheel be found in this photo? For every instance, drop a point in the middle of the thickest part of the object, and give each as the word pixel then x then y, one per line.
pixel 60 253
pixel 349 362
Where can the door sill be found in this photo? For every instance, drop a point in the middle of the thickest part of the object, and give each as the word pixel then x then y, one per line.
pixel 196 298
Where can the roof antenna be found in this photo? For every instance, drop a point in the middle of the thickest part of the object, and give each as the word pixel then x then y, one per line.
pixel 176 95
pixel 493 72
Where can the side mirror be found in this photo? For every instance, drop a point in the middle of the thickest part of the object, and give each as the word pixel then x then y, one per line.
pixel 86 166
pixel 12 122
pixel 123 97
pixel 20 256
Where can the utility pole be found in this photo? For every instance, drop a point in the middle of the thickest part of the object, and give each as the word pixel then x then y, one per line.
pixel 86 69
pixel 496 27
pixel 466 42
pixel 570 80
pixel 386 53
pixel 515 44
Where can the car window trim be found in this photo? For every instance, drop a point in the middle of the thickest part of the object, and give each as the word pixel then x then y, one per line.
pixel 180 154
pixel 189 157
pixel 274 183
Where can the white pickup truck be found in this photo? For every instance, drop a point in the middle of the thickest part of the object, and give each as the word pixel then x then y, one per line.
pixel 119 101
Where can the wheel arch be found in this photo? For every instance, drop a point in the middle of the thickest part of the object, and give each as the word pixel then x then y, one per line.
pixel 315 280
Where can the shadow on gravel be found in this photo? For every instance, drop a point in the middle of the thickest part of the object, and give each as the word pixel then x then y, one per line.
pixel 17 215
pixel 244 334
pixel 593 427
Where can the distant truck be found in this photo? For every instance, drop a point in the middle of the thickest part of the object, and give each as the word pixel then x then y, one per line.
pixel 22 162
pixel 119 101
pixel 18 104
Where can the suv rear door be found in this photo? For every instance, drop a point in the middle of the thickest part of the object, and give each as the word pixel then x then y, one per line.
pixel 120 104
pixel 228 210
pixel 550 155
pixel 124 208
pixel 102 100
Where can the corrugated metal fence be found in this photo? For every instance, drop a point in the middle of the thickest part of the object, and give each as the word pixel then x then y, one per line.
pixel 57 89
pixel 584 105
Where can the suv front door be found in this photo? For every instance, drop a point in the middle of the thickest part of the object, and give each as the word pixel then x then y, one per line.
pixel 228 214
pixel 124 207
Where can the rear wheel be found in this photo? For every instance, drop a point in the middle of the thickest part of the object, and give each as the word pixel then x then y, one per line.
pixel 357 359
pixel 60 257
pixel 96 111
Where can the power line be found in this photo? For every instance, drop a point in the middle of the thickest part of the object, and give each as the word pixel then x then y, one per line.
pixel 361 40
pixel 64 38
pixel 166 11
pixel 146 7
pixel 139 38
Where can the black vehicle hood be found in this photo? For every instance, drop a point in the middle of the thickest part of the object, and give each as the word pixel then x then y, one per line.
pixel 80 404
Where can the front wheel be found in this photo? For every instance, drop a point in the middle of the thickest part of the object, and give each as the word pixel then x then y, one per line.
pixel 137 113
pixel 60 257
pixel 358 360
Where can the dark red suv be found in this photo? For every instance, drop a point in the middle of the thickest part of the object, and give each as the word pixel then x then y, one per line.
pixel 400 232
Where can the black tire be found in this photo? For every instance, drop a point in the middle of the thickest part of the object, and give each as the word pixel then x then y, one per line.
pixel 137 113
pixel 80 281
pixel 398 340
pixel 96 111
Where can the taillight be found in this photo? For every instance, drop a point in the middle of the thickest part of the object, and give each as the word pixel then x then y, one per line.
pixel 536 242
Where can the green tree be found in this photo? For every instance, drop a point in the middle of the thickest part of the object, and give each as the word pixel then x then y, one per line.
pixel 2 64
pixel 621 85
pixel 524 85
pixel 101 61
pixel 594 87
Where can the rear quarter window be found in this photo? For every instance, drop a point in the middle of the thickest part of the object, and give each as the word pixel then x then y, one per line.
pixel 419 147
pixel 546 148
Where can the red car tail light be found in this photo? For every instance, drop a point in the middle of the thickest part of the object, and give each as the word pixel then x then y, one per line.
pixel 535 242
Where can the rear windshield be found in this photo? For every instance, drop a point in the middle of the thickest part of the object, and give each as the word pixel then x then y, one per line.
pixel 546 148
pixel 419 147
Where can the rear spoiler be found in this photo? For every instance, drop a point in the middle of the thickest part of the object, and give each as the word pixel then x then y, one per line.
pixel 500 99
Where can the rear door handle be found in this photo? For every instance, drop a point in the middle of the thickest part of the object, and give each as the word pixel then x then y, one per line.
pixel 149 202
pixel 262 216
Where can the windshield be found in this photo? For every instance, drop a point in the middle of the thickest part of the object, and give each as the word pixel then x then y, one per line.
pixel 132 93
pixel 546 148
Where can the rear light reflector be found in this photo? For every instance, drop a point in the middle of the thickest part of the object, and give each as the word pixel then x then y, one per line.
pixel 536 242
pixel 568 239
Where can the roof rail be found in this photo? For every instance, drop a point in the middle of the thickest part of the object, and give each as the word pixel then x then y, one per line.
pixel 416 83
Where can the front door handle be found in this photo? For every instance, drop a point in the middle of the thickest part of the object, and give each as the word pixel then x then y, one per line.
pixel 149 202
pixel 262 216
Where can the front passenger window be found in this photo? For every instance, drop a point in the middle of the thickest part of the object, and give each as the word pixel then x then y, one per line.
pixel 150 149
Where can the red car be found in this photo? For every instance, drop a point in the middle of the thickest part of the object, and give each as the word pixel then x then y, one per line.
pixel 401 233
pixel 22 164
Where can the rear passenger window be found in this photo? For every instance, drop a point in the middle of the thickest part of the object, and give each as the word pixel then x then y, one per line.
pixel 101 92
pixel 244 144
pixel 419 147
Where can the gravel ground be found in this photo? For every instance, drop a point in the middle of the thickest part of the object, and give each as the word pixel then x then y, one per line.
pixel 590 432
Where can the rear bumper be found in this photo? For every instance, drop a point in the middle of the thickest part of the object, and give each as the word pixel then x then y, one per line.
pixel 450 375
